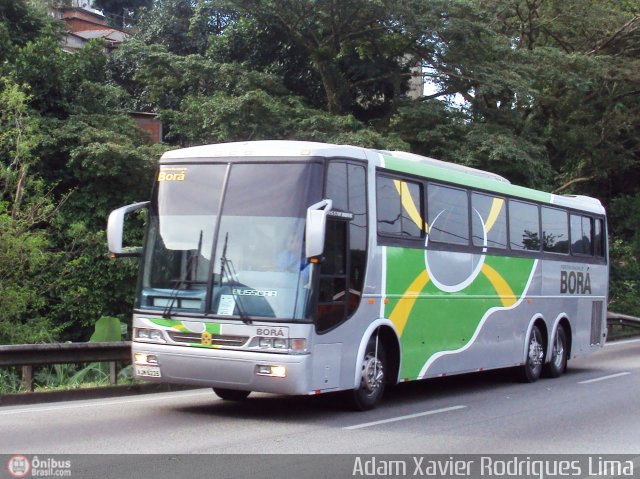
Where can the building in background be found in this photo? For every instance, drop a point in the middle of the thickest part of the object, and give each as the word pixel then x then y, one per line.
pixel 85 23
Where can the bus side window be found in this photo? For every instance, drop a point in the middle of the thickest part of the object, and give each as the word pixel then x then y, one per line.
pixel 524 226
pixel 555 230
pixel 598 239
pixel 489 217
pixel 581 234
pixel 448 211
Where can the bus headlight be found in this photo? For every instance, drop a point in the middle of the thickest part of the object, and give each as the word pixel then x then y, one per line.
pixel 280 343
pixel 156 335
pixel 292 346
pixel 148 335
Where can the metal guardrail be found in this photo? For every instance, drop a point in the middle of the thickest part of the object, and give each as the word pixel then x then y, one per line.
pixel 29 355
pixel 623 319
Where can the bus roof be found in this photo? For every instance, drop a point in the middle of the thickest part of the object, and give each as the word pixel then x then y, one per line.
pixel 266 148
pixel 394 160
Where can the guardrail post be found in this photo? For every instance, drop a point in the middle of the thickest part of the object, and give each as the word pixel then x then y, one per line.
pixel 27 378
pixel 113 373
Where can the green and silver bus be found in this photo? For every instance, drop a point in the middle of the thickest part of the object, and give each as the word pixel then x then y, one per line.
pixel 304 268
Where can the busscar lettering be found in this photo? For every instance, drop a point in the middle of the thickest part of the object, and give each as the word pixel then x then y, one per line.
pixel 575 282
pixel 255 292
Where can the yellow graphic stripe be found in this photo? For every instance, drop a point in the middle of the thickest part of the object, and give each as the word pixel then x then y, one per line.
pixel 408 204
pixel 496 206
pixel 402 310
pixel 503 289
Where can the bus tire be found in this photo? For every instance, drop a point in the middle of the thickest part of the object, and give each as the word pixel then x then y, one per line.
pixel 531 370
pixel 372 382
pixel 558 361
pixel 231 394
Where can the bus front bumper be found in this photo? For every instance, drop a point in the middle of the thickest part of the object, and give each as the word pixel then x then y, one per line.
pixel 222 368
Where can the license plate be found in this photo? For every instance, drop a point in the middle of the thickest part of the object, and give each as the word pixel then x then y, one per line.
pixel 148 371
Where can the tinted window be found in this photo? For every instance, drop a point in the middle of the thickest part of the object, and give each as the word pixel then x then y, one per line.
pixel 399 207
pixel 448 215
pixel 581 234
pixel 524 226
pixel 332 297
pixel 598 238
pixel 489 216
pixel 337 188
pixel 555 231
pixel 282 186
pixel 357 233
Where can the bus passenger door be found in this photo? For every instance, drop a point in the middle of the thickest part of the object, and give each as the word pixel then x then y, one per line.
pixel 334 281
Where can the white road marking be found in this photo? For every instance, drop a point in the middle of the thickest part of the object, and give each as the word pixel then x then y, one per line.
pixel 603 378
pixel 101 402
pixel 625 341
pixel 402 418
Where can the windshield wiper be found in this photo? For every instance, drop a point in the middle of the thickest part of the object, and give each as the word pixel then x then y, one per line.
pixel 227 270
pixel 191 270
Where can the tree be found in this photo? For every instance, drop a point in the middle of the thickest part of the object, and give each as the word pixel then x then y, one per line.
pixel 122 12
pixel 25 207
pixel 354 47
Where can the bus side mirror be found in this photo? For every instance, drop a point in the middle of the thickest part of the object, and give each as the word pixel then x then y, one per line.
pixel 115 229
pixel 316 227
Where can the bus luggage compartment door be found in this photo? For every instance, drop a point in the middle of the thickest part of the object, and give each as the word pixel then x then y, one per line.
pixel 326 366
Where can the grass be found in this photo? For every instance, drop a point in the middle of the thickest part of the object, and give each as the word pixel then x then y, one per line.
pixel 60 377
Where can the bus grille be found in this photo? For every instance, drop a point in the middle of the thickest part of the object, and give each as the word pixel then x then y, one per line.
pixel 596 322
pixel 216 339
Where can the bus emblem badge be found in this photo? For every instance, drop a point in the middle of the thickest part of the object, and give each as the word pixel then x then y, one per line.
pixel 205 338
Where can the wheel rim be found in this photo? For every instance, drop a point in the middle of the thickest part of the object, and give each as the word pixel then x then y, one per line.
pixel 558 351
pixel 372 374
pixel 536 352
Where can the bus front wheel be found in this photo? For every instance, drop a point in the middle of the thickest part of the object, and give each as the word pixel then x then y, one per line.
pixel 531 370
pixel 372 379
pixel 231 394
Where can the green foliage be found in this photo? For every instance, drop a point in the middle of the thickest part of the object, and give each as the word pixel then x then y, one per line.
pixel 121 7
pixel 497 149
pixel 24 258
pixel 256 115
pixel 624 288
pixel 107 329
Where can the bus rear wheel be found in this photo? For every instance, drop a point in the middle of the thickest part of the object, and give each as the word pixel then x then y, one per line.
pixel 531 370
pixel 231 394
pixel 558 362
pixel 372 379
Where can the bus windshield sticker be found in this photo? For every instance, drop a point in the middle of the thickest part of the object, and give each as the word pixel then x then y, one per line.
pixel 227 305
pixel 172 174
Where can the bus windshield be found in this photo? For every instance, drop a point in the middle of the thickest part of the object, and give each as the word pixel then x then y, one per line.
pixel 251 264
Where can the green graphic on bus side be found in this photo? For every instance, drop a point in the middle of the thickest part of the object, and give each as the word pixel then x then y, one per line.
pixel 212 328
pixel 437 298
pixel 430 320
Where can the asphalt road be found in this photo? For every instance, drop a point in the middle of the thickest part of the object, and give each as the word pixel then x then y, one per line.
pixel 592 409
